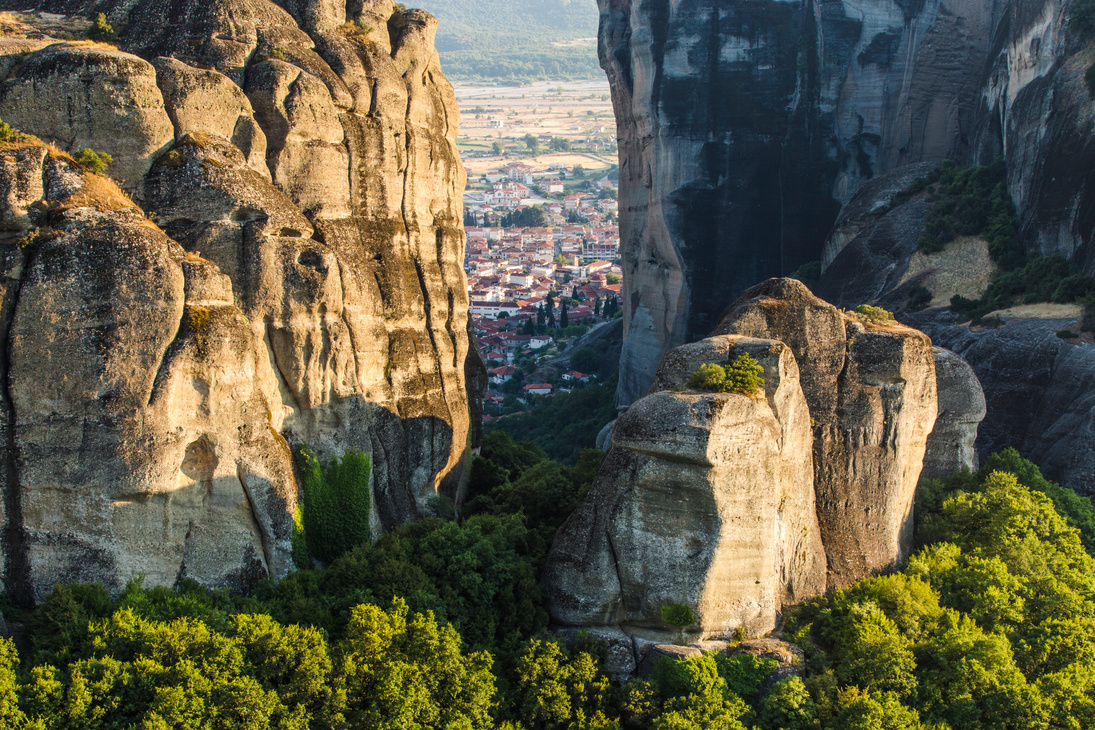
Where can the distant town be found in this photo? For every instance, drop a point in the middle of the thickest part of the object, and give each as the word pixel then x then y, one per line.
pixel 536 288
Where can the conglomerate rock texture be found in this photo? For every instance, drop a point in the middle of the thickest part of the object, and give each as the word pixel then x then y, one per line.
pixel 704 499
pixel 871 389
pixel 738 505
pixel 297 280
pixel 745 126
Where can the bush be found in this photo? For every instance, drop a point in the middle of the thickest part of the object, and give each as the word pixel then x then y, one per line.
pixel 742 375
pixel 1043 279
pixel 709 377
pixel 677 615
pixel 8 133
pixel 974 201
pixel 337 500
pixel 100 29
pixel 93 161
pixel 808 273
pixel 876 315
pixel 919 298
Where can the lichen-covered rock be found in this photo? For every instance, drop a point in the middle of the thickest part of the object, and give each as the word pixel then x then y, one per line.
pixel 91 96
pixel 307 179
pixel 952 443
pixel 872 395
pixel 705 499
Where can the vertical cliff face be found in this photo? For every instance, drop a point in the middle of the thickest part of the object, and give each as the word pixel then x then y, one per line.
pixel 738 506
pixel 745 126
pixel 871 390
pixel 301 283
pixel 705 499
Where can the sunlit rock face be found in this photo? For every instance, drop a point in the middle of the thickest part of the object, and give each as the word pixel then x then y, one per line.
pixel 286 270
pixel 745 126
pixel 738 505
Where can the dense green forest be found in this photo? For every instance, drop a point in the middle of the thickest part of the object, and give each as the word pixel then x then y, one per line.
pixel 564 423
pixel 516 40
pixel 441 624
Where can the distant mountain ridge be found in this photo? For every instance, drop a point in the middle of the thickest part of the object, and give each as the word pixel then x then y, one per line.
pixel 516 40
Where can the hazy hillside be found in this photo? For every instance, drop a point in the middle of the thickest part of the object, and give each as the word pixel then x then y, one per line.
pixel 516 40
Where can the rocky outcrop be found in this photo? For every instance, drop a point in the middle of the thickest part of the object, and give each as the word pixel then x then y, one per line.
pixel 302 284
pixel 952 444
pixel 744 128
pixel 1039 392
pixel 138 435
pixel 705 499
pixel 91 96
pixel 871 390
pixel 737 505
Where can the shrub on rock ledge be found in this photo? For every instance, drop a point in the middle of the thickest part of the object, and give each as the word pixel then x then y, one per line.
pixel 743 375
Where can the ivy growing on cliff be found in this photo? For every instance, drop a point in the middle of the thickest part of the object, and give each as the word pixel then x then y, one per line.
pixel 334 515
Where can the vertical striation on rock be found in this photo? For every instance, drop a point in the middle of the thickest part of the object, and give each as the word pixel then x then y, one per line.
pixel 744 127
pixel 737 506
pixel 871 390
pixel 704 499
pixel 302 283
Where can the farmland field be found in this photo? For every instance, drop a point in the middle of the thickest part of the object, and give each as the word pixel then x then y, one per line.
pixel 577 112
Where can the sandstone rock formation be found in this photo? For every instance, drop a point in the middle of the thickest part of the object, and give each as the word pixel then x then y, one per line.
pixel 744 128
pixel 302 283
pixel 872 394
pixel 737 506
pixel 705 499
pixel 952 443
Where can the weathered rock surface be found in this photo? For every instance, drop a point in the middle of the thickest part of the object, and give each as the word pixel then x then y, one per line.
pixel 309 288
pixel 872 395
pixel 1039 392
pixel 737 505
pixel 139 438
pixel 705 499
pixel 745 127
pixel 952 443
pixel 91 96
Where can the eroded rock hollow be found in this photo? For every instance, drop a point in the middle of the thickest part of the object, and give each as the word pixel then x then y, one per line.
pixel 281 266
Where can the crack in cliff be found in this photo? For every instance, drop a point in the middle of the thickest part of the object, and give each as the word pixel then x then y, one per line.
pixel 17 562
pixel 346 321
pixel 264 539
pixel 268 338
pixel 167 356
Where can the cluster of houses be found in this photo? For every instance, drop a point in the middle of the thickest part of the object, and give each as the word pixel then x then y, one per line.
pixel 518 277
pixel 514 275
pixel 514 186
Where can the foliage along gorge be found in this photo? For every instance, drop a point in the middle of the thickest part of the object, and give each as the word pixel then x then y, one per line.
pixel 836 472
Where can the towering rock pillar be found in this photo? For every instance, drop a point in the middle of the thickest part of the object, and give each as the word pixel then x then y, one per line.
pixel 282 266
pixel 744 126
